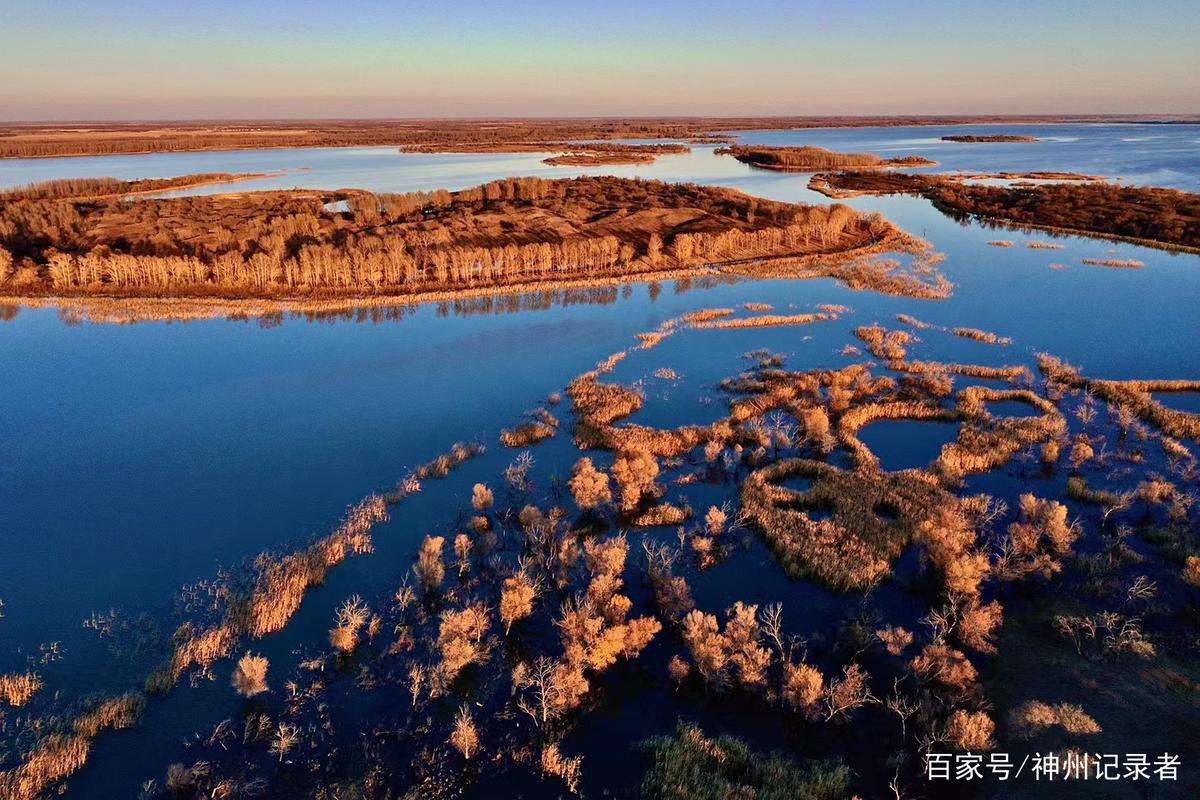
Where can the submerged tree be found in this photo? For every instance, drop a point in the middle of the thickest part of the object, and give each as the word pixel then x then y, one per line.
pixel 250 675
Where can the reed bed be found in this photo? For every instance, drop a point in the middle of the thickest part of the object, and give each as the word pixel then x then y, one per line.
pixel 764 321
pixel 1136 396
pixel 987 337
pixel 544 425
pixel 986 442
pixel 853 548
pixel 60 754
pixel 107 188
pixel 280 582
pixel 1116 263
pixel 17 689
pixel 912 322
pixel 1006 373
pixel 278 586
pixel 706 315
pixel 540 610
pixel 884 344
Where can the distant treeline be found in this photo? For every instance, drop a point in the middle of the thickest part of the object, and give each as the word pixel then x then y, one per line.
pixel 1163 216
pixel 33 141
pixel 538 146
pixel 517 230
pixel 809 159
pixel 82 188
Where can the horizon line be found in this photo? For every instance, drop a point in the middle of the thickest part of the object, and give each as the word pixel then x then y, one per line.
pixel 977 118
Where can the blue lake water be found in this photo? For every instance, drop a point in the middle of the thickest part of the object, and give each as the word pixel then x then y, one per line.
pixel 139 458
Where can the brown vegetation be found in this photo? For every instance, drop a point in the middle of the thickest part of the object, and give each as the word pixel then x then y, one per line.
pixel 110 188
pixel 34 141
pixel 280 582
pixel 986 337
pixel 512 231
pixel 1136 396
pixel 60 754
pixel 1165 218
pixel 250 675
pixel 17 689
pixel 1118 263
pixel 595 155
pixel 813 159
pixel 853 547
pixel 992 137
pixel 541 426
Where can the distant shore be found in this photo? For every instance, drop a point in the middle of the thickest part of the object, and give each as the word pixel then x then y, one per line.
pixel 56 140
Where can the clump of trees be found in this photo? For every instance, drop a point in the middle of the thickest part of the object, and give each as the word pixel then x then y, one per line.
pixel 273 244
pixel 589 486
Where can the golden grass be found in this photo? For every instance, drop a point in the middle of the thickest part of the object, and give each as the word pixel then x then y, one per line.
pixel 662 514
pixel 912 322
pixel 987 337
pixel 985 442
pixel 17 689
pixel 250 675
pixel 884 344
pixel 873 516
pixel 59 755
pixel 543 426
pixel 1135 396
pixel 281 581
pixel 764 321
pixel 1117 263
pixel 1009 373
pixel 706 315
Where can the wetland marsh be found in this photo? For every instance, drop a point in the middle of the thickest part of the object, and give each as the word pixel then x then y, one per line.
pixel 561 611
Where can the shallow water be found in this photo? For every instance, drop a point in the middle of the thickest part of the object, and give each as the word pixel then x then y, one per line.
pixel 140 458
pixel 906 443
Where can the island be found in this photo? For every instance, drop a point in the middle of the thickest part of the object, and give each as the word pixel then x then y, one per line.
pixel 574 154
pixel 513 233
pixel 812 159
pixel 1167 219
pixel 994 137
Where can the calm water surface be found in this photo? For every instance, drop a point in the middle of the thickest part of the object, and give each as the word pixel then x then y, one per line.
pixel 140 458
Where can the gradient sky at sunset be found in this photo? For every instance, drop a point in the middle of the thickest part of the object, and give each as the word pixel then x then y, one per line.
pixel 113 59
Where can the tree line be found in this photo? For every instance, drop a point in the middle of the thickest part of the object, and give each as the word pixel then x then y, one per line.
pixel 506 231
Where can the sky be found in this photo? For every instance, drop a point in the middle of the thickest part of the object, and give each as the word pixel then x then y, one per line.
pixel 257 59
